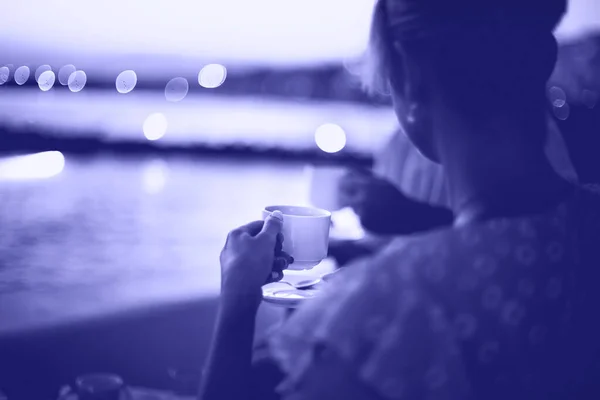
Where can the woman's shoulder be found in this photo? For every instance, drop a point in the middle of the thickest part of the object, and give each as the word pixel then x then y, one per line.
pixel 409 266
pixel 361 318
pixel 352 309
pixel 362 315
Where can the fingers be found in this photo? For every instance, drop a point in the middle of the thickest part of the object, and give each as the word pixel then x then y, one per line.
pixel 281 262
pixel 256 228
pixel 277 272
pixel 288 258
pixel 279 243
pixel 276 276
pixel 252 229
pixel 272 226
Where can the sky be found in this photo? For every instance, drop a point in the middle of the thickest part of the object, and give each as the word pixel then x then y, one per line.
pixel 254 31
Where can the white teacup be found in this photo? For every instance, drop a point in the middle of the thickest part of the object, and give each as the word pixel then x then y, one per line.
pixel 306 233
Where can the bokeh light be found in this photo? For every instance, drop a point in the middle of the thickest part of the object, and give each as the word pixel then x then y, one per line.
pixel 562 112
pixel 176 89
pixel 22 75
pixel 330 138
pixel 64 73
pixel 557 96
pixel 4 75
pixel 32 166
pixel 40 70
pixel 155 176
pixel 212 76
pixel 126 81
pixel 155 126
pixel 46 80
pixel 77 81
pixel 11 71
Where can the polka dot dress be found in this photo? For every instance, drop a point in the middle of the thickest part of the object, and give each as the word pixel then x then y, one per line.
pixel 493 310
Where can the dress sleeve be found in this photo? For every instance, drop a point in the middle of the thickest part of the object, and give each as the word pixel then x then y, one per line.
pixel 389 334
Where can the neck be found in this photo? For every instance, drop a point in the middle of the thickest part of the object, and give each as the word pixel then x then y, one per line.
pixel 495 173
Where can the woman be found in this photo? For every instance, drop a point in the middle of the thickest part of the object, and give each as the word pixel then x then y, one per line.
pixel 502 304
pixel 406 194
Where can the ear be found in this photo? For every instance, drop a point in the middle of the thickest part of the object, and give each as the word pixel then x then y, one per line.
pixel 409 94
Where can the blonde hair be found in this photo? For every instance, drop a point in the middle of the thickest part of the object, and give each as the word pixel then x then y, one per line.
pixel 375 66
pixel 473 56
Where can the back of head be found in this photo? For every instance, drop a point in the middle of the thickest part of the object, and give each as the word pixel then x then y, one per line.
pixel 477 53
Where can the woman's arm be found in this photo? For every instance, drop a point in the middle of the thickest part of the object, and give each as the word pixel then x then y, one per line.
pixel 236 368
pixel 229 369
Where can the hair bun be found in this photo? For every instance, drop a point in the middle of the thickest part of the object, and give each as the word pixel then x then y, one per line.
pixel 426 17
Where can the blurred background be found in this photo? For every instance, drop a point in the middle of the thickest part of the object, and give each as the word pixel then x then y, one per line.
pixel 134 134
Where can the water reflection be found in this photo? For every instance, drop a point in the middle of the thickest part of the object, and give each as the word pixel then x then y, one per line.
pixel 155 176
pixel 98 226
pixel 32 166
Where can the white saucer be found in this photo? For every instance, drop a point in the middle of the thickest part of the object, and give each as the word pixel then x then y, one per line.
pixel 300 278
pixel 284 295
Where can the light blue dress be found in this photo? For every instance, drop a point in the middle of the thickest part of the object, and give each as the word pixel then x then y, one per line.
pixel 503 309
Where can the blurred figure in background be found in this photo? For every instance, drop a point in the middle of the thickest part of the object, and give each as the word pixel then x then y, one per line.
pixel 406 194
pixel 500 305
pixel 403 195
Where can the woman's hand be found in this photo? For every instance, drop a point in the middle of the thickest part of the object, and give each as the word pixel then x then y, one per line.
pixel 252 257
